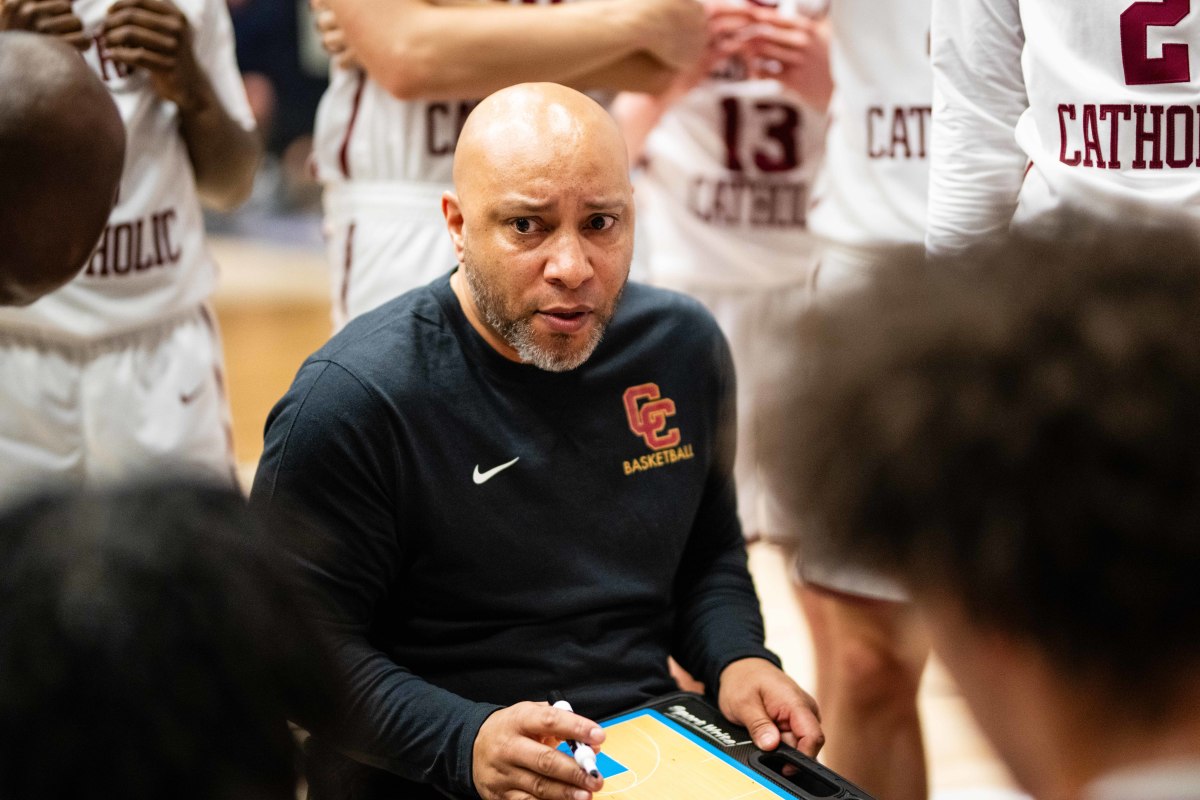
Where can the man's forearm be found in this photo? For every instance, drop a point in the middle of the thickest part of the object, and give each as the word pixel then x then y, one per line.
pixel 224 155
pixel 398 722
pixel 416 49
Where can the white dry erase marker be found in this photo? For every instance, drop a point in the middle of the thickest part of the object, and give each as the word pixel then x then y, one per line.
pixel 585 757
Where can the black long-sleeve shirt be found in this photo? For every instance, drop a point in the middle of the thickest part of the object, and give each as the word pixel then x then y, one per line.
pixel 610 541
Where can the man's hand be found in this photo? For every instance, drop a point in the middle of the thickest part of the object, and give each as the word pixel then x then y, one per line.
pixel 794 51
pixel 155 35
pixel 515 757
pixel 51 17
pixel 758 696
pixel 333 39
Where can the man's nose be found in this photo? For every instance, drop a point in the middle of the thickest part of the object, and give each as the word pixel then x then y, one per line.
pixel 568 263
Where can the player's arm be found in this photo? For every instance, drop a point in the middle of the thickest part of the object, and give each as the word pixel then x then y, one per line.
pixel 156 36
pixel 976 167
pixel 638 111
pixel 421 49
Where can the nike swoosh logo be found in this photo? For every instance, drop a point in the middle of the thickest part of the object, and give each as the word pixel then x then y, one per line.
pixel 187 398
pixel 484 477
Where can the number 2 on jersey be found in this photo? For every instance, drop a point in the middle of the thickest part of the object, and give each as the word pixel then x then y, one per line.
pixel 1140 70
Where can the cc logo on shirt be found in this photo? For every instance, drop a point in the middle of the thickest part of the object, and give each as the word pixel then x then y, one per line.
pixel 647 411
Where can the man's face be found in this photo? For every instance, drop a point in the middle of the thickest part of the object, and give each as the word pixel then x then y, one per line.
pixel 545 244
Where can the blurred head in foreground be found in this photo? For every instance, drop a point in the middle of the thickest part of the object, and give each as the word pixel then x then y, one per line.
pixel 148 650
pixel 1016 437
pixel 62 147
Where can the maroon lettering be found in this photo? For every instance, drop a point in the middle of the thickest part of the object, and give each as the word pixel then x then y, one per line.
pixel 110 69
pixel 98 263
pixel 732 132
pixel 1117 113
pixel 1091 138
pixel 1151 137
pixel 905 135
pixel 874 114
pixel 781 134
pixel 900 133
pixel 757 204
pixel 1173 118
pixel 1160 136
pixel 122 244
pixel 1140 69
pixel 165 222
pixel 1066 112
pixel 921 113
pixel 443 123
pixel 137 246
pixel 774 144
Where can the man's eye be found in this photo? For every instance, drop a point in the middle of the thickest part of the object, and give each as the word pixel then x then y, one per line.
pixel 524 225
pixel 601 222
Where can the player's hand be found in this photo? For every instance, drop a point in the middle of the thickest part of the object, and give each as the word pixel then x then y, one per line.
pixel 757 695
pixel 333 39
pixel 51 17
pixel 515 757
pixel 794 51
pixel 673 31
pixel 156 36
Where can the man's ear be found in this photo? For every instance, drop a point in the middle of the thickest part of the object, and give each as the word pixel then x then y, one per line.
pixel 452 211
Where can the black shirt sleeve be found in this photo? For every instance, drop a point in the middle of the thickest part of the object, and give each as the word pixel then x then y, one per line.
pixel 330 467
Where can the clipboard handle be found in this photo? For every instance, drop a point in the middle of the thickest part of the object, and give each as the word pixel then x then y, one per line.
pixel 800 775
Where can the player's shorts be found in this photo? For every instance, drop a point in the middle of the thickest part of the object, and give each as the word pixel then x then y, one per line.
pixel 136 404
pixel 761 325
pixel 382 239
pixel 843 270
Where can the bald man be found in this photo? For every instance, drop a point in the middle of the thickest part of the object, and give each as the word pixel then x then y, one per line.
pixel 62 146
pixel 520 480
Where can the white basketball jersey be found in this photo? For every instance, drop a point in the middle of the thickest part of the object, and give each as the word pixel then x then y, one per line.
pixel 723 198
pixel 151 261
pixel 1049 105
pixel 874 183
pixel 365 134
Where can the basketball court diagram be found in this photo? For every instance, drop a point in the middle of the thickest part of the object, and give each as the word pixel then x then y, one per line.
pixel 645 757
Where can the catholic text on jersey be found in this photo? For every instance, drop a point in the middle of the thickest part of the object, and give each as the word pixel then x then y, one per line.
pixel 1136 136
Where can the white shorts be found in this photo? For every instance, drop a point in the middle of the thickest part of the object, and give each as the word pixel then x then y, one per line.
pixel 761 325
pixel 843 270
pixel 95 412
pixel 382 239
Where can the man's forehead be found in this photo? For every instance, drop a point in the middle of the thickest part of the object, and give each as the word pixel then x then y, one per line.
pixel 555 198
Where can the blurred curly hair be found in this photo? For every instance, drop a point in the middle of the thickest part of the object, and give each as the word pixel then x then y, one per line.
pixel 1019 430
pixel 149 649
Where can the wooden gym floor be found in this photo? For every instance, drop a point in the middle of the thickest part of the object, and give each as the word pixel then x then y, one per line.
pixel 273 305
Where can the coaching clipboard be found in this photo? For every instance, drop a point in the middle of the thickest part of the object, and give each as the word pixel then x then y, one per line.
pixel 679 747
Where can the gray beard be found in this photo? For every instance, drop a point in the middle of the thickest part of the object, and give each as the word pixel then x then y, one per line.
pixel 518 333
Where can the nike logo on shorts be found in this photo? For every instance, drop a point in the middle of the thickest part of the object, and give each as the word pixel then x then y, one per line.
pixel 188 397
pixel 484 477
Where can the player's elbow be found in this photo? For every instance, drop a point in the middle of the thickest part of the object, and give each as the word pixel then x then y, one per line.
pixel 409 72
pixel 655 81
pixel 228 185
